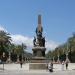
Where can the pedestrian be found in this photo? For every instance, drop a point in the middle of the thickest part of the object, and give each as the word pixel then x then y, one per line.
pixel 66 65
pixel 20 59
pixel 50 66
pixel 62 65
pixel 21 64
pixel 0 61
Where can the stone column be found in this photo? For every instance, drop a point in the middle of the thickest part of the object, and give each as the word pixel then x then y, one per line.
pixel 67 59
pixel 9 58
pixel 18 59
pixel 58 60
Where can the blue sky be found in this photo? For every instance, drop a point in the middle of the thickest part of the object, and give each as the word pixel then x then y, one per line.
pixel 19 17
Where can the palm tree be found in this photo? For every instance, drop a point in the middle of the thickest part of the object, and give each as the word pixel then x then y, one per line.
pixel 5 40
pixel 19 50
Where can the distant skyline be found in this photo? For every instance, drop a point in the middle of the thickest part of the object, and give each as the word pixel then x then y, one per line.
pixel 19 18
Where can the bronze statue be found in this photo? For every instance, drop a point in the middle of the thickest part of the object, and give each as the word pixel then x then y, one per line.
pixel 34 41
pixel 39 40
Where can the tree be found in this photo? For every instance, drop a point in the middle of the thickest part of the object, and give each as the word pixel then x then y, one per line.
pixel 71 42
pixel 5 41
pixel 17 50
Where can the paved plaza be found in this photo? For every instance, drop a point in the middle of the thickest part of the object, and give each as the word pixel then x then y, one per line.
pixel 14 69
pixel 37 73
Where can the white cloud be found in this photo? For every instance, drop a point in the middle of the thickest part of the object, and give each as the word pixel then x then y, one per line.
pixel 50 45
pixel 19 39
pixel 2 28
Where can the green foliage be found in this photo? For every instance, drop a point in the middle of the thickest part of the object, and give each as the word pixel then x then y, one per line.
pixel 5 41
pixel 66 48
pixel 18 49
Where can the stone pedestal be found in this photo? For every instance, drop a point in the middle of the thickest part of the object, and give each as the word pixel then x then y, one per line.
pixel 38 66
pixel 38 51
pixel 38 61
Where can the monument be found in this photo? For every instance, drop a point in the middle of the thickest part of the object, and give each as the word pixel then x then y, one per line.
pixel 38 60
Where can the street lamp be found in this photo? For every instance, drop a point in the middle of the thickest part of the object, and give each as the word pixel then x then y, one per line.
pixel 9 59
pixel 53 59
pixel 58 59
pixel 3 59
pixel 67 59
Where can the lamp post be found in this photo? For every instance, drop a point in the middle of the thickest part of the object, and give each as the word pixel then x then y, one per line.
pixel 67 59
pixel 22 52
pixel 58 59
pixel 9 59
pixel 53 60
pixel 3 59
pixel 18 59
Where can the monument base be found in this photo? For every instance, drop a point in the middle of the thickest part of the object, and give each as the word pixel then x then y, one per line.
pixel 38 66
pixel 38 63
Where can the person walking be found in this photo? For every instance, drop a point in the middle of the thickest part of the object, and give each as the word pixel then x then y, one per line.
pixel 66 65
pixel 21 61
pixel 21 64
